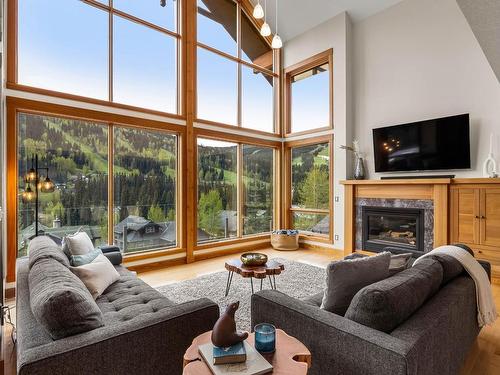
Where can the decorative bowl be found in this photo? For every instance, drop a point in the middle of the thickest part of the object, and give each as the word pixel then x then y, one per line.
pixel 253 259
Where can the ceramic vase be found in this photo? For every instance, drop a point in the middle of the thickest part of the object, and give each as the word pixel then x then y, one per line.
pixel 359 169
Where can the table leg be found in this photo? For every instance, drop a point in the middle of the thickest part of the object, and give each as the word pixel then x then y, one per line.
pixel 274 279
pixel 261 280
pixel 270 281
pixel 251 283
pixel 229 281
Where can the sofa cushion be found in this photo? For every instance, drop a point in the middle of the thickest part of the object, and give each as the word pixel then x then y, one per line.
pixel 59 300
pixel 128 298
pixel 97 275
pixel 451 267
pixel 386 304
pixel 43 247
pixel 345 278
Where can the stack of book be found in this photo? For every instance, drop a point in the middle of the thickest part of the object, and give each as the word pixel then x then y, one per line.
pixel 241 359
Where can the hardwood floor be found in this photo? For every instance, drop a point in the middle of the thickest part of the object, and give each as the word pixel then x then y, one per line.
pixel 483 359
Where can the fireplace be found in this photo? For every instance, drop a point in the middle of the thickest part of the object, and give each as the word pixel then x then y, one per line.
pixel 401 228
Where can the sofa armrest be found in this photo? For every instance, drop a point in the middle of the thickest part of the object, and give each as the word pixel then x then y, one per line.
pixel 337 345
pixel 147 344
pixel 109 248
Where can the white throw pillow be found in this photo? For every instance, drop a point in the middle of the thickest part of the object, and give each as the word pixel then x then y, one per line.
pixel 97 275
pixel 77 244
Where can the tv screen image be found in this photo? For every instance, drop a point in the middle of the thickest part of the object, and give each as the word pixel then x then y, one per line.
pixel 437 144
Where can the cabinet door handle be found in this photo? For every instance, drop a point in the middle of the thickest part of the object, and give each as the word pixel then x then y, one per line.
pixel 483 217
pixel 477 217
pixel 479 251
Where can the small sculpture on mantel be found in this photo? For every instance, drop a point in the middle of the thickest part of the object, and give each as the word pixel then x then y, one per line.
pixel 224 333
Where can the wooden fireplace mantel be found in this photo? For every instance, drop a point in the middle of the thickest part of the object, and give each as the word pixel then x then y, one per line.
pixel 435 189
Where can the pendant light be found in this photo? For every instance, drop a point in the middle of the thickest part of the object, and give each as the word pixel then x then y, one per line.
pixel 265 30
pixel 277 43
pixel 258 11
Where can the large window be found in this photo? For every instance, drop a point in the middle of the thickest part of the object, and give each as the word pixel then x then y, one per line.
pixel 310 184
pixel 75 47
pixel 235 189
pixel 235 73
pixel 145 174
pixel 309 95
pixel 77 155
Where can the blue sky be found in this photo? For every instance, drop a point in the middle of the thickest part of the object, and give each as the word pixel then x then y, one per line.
pixel 63 46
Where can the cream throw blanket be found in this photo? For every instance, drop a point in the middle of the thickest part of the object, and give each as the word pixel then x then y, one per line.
pixel 486 309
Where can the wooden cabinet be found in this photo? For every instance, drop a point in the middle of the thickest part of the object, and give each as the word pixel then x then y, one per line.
pixel 475 220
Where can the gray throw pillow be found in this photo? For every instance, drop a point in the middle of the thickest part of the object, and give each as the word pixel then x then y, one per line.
pixel 386 304
pixel 78 243
pixel 399 262
pixel 80 260
pixel 60 302
pixel 345 278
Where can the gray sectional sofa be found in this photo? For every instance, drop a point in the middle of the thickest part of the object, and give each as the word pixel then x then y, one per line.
pixel 142 333
pixel 433 339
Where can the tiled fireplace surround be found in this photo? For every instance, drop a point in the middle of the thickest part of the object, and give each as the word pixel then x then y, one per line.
pixel 430 195
pixel 426 204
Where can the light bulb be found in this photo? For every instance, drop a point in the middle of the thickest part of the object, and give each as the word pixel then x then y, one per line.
pixel 277 43
pixel 258 12
pixel 265 30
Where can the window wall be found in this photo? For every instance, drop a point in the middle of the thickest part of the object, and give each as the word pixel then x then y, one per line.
pixel 126 53
pixel 235 68
pixel 78 156
pixel 235 189
pixel 310 182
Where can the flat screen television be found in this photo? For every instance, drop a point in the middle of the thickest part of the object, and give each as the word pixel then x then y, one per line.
pixel 438 144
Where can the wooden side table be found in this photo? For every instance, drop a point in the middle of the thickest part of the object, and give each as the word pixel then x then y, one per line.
pixel 290 358
pixel 271 268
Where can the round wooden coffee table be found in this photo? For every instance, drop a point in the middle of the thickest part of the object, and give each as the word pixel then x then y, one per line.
pixel 270 269
pixel 290 358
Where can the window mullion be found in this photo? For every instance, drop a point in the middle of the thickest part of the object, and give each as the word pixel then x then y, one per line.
pixel 111 185
pixel 110 52
pixel 239 189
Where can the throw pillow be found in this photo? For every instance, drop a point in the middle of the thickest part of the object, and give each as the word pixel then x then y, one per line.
pixel 399 262
pixel 77 244
pixel 80 260
pixel 97 275
pixel 59 300
pixel 386 304
pixel 345 278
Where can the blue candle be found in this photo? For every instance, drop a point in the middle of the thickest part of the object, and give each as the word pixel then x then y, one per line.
pixel 265 338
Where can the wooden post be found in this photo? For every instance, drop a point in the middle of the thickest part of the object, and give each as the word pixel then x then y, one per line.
pixel 441 208
pixel 349 217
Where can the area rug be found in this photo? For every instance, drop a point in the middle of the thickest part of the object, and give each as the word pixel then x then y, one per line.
pixel 298 280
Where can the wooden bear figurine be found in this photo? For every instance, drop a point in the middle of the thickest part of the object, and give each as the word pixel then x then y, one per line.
pixel 224 333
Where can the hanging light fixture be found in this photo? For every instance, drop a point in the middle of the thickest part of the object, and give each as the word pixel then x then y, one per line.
pixel 258 11
pixel 265 30
pixel 277 43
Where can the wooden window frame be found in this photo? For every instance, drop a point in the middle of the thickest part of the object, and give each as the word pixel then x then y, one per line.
pixel 18 105
pixel 246 7
pixel 240 141
pixel 287 172
pixel 12 58
pixel 322 58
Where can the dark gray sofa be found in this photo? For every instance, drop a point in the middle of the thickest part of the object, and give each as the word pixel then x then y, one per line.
pixel 143 332
pixel 434 340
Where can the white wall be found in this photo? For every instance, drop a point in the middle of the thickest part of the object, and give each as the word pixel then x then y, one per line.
pixel 336 34
pixel 419 59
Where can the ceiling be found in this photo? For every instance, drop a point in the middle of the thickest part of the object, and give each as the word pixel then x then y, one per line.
pixel 297 16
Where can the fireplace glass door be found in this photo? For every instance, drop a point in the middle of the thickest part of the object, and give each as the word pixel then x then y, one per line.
pixel 392 227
